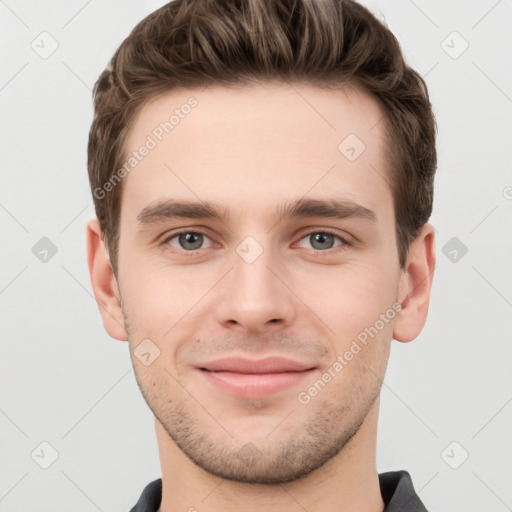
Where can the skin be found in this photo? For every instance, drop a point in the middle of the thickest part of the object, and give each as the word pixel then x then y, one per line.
pixel 251 150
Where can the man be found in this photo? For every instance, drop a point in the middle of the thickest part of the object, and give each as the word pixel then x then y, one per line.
pixel 263 173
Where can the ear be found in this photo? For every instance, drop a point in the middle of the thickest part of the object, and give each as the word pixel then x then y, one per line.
pixel 104 283
pixel 415 285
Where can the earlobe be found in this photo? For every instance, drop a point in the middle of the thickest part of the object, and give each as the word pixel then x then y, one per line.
pixel 104 283
pixel 415 286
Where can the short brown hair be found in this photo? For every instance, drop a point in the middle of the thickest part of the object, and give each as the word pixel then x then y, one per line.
pixel 326 43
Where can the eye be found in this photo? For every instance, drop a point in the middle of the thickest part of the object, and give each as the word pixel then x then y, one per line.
pixel 192 241
pixel 323 240
pixel 187 240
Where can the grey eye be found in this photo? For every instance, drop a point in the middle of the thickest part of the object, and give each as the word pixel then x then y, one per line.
pixel 187 240
pixel 321 240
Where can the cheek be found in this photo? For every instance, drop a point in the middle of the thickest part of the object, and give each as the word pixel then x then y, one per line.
pixel 350 296
pixel 360 313
pixel 157 295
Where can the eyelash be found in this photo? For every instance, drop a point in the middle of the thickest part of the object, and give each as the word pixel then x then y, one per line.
pixel 192 253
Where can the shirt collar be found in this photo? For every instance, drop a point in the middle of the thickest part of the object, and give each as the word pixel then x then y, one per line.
pixel 396 489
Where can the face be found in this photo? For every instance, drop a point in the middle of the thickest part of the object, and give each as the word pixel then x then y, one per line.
pixel 290 252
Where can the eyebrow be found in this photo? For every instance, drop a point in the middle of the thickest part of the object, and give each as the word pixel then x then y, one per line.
pixel 300 208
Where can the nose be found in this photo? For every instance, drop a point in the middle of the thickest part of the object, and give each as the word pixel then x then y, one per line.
pixel 255 296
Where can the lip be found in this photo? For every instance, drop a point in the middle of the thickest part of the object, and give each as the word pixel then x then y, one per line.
pixel 256 366
pixel 246 378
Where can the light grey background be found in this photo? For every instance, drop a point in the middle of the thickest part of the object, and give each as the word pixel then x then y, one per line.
pixel 65 382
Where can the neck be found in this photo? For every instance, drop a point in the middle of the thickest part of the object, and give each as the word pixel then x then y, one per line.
pixel 348 481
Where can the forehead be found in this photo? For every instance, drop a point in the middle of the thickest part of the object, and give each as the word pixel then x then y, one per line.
pixel 253 147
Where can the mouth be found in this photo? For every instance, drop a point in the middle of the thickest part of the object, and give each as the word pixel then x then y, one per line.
pixel 246 378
